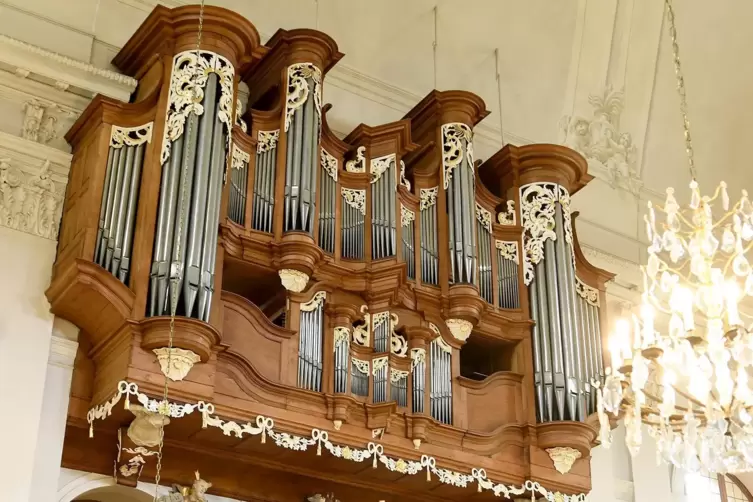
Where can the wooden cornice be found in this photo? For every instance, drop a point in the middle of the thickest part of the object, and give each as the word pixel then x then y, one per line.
pixel 224 32
pixel 442 107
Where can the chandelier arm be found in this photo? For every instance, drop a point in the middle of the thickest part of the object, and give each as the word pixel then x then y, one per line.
pixel 734 255
pixel 688 397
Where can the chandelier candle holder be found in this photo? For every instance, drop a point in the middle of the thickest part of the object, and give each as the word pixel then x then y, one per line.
pixel 691 385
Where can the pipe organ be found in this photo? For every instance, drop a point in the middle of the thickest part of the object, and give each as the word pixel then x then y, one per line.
pixel 384 280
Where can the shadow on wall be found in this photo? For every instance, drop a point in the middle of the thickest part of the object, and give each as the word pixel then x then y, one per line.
pixel 114 493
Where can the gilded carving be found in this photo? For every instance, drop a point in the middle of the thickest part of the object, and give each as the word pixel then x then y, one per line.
pixel 329 164
pixel 267 140
pixel 428 197
pixel 563 458
pixel 406 216
pixel 507 217
pixel 508 250
pixel 239 159
pixel 457 141
pixel 131 136
pixel 403 180
pixel 380 165
pixel 315 302
pixel 460 328
pixel 355 199
pixel 195 493
pixel 484 217
pixel 176 363
pixel 298 89
pixel 591 295
pixel 293 280
pixel 357 165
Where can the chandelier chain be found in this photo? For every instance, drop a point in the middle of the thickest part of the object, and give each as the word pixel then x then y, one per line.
pixel 497 77
pixel 434 47
pixel 164 408
pixel 681 88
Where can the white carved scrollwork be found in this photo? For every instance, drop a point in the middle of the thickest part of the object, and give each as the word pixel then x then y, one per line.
pixel 379 318
pixel 239 158
pixel 591 295
pixel 266 141
pixel 380 165
pixel 293 280
pixel 403 180
pixel 537 211
pixel 342 335
pixel 329 163
pixel 453 136
pixel 398 344
pixel 508 217
pixel 459 328
pixel 485 217
pixel 238 120
pixel 314 303
pixel 361 366
pixel 378 364
pixel 397 375
pixel 443 345
pixel 428 197
pixel 406 216
pixel 298 89
pixel 176 363
pixel 508 250
pixel 417 357
pixel 131 136
pixel 189 77
pixel 357 165
pixel 355 199
pixel 362 333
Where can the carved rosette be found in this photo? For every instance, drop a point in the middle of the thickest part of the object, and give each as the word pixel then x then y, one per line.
pixel 189 77
pixel 457 140
pixel 357 165
pixel 406 216
pixel 563 458
pixel 403 180
pixel 298 90
pixel 239 158
pixel 460 328
pixel 293 280
pixel 591 295
pixel 130 136
pixel 355 199
pixel 175 363
pixel 329 164
pixel 508 217
pixel 428 197
pixel 484 217
pixel 380 165
pixel 266 141
pixel 537 208
pixel 508 250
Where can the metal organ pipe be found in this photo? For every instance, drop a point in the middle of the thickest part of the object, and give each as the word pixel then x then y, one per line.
pixel 264 180
pixel 120 193
pixel 327 199
pixel 194 160
pixel 383 190
pixel 238 182
pixel 483 232
pixel 310 337
pixel 407 221
pixel 429 244
pixel 303 128
pixel 440 395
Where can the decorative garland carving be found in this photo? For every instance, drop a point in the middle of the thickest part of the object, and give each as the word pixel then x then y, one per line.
pixel 298 90
pixel 362 333
pixel 591 295
pixel 342 335
pixel 428 197
pixel 508 217
pixel 181 362
pixel 484 217
pixel 417 356
pixel 460 328
pixel 537 208
pixel 239 158
pixel 238 120
pixel 265 427
pixel 508 250
pixel 357 165
pixel 361 366
pixel 329 164
pixel 397 375
pixel 403 180
pixel 187 91
pixel 355 199
pixel 293 280
pixel 406 216
pixel 378 364
pixel 314 303
pixel 380 165
pixel 131 136
pixel 453 135
pixel 266 141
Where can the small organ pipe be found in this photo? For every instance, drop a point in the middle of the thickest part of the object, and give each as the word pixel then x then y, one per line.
pixel 105 206
pixel 130 221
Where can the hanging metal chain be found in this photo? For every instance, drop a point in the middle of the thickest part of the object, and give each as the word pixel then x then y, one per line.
pixel 434 47
pixel 497 77
pixel 681 88
pixel 164 406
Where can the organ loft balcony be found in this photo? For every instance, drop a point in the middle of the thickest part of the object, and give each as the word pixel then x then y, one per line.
pixel 380 314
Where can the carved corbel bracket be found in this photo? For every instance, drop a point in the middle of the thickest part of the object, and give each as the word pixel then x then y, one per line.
pixel 175 363
pixel 296 259
pixel 293 280
pixel 339 407
pixel 563 458
pixel 190 334
pixel 464 310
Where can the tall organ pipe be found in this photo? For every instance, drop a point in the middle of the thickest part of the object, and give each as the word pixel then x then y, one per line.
pixel 194 161
pixel 429 243
pixel 383 190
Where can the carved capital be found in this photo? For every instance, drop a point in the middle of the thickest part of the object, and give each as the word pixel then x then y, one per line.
pixel 176 363
pixel 460 328
pixel 563 458
pixel 293 280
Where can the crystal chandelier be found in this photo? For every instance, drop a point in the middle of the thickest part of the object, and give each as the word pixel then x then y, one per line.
pixel 690 383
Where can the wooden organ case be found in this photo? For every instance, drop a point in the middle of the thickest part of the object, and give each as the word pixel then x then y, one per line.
pixel 383 296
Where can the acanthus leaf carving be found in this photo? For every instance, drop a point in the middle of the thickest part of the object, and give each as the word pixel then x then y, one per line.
pixel 239 158
pixel 484 217
pixel 428 197
pixel 130 136
pixel 380 165
pixel 563 458
pixel 355 199
pixel 457 142
pixel 508 217
pixel 299 90
pixel 459 328
pixel 403 180
pixel 175 363
pixel 314 303
pixel 591 295
pixel 508 250
pixel 267 140
pixel 357 165
pixel 293 280
pixel 238 112
pixel 406 216
pixel 329 164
